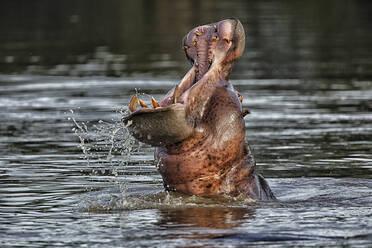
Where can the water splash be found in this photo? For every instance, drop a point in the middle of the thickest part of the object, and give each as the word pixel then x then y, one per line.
pixel 106 145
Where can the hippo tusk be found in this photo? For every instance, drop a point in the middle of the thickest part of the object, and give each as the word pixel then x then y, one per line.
pixel 176 94
pixel 155 104
pixel 143 104
pixel 133 103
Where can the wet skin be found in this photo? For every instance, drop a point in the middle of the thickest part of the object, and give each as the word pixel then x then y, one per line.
pixel 198 128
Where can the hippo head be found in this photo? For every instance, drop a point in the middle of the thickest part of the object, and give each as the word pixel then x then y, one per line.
pixel 211 49
pixel 198 128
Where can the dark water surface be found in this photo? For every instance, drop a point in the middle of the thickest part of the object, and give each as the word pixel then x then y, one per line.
pixel 70 176
pixel 312 140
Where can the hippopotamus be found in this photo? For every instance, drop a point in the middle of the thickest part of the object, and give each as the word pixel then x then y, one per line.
pixel 198 129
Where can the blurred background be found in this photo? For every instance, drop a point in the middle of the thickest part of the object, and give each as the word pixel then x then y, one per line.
pixel 122 38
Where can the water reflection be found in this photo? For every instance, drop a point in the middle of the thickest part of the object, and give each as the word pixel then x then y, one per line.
pixel 304 135
pixel 322 39
pixel 198 217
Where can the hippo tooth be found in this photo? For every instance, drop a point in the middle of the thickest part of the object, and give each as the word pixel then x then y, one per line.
pixel 214 37
pixel 143 104
pixel 155 104
pixel 185 47
pixel 198 33
pixel 176 94
pixel 193 43
pixel 215 28
pixel 133 103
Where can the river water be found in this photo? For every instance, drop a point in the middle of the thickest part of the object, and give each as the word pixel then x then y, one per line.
pixel 71 176
pixel 86 183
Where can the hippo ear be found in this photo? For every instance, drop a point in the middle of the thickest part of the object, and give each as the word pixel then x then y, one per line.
pixel 160 126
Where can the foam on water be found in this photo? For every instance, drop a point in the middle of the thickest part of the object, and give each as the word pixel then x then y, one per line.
pixel 115 199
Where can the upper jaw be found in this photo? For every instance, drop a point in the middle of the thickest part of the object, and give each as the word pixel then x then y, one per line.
pixel 217 43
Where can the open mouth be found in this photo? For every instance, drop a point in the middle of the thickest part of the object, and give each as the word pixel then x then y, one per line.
pixel 199 46
pixel 204 46
pixel 211 50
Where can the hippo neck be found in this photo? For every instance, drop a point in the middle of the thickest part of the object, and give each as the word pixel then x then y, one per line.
pixel 191 143
pixel 228 177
